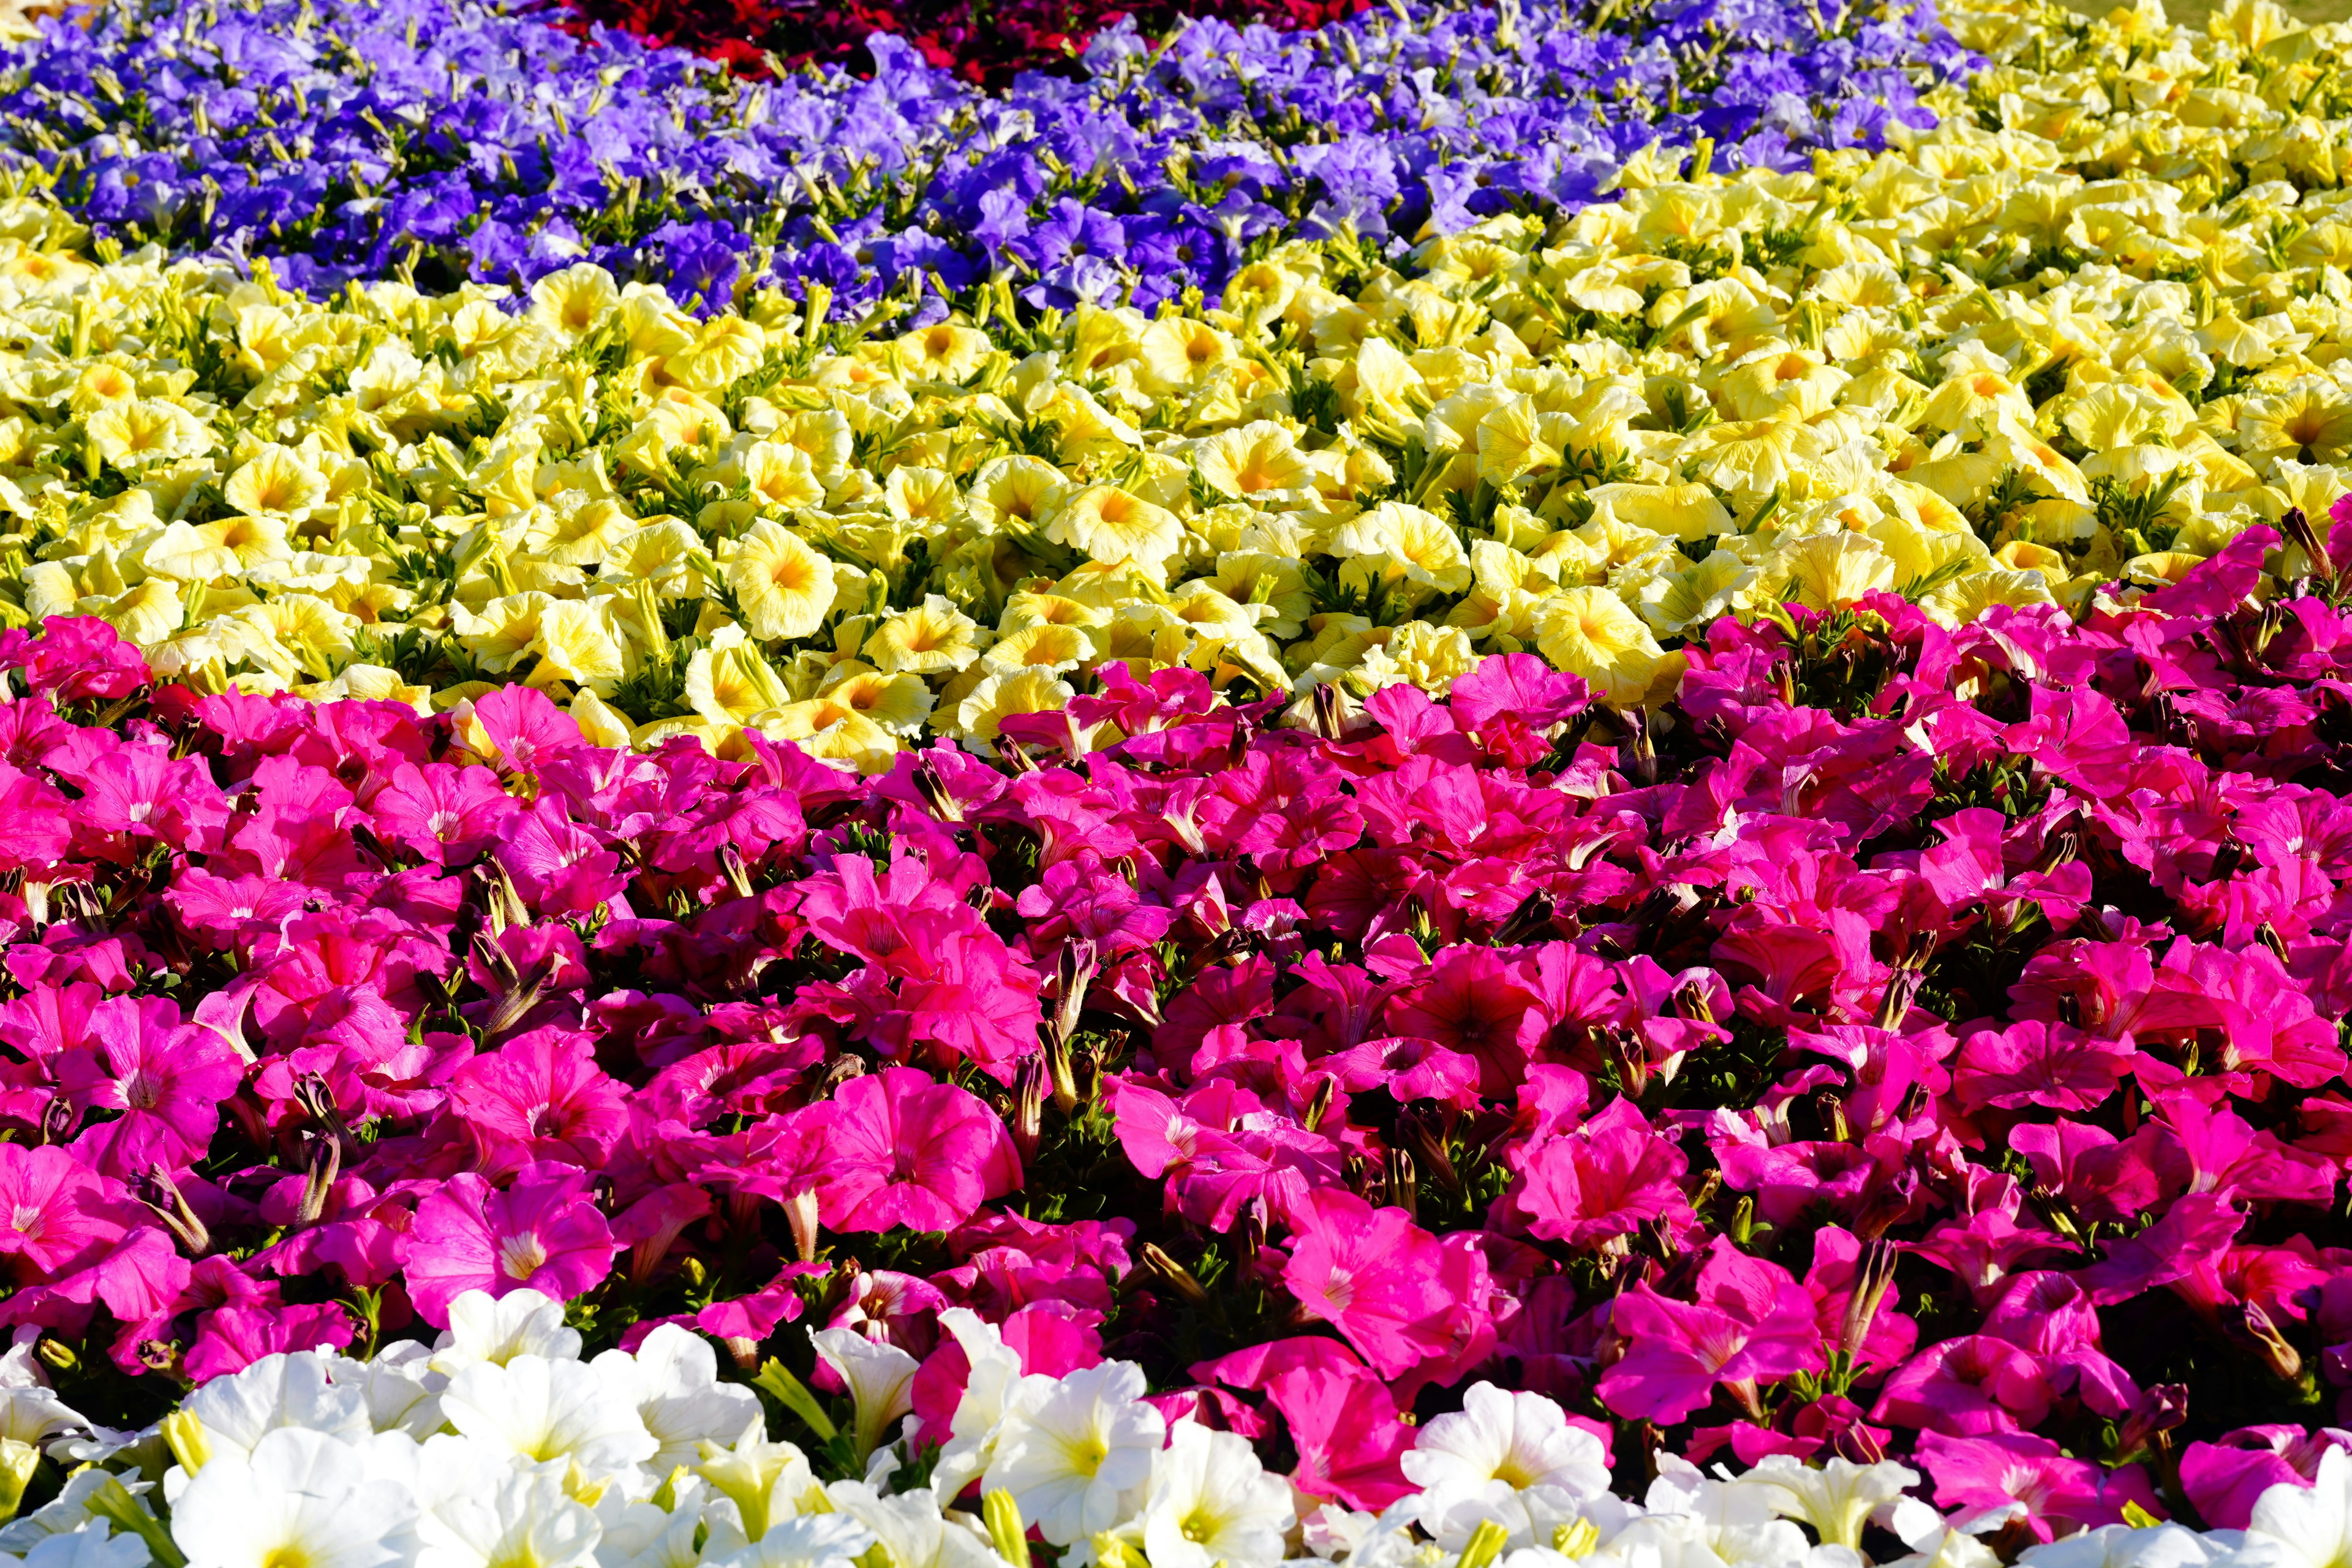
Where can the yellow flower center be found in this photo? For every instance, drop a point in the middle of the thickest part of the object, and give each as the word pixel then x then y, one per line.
pixel 521 1257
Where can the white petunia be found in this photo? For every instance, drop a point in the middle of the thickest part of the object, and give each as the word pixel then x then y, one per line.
pixel 1937 1542
pixel 636 1534
pixel 2124 1546
pixel 1511 1458
pixel 1076 1453
pixel 30 1411
pixel 2305 1526
pixel 970 1442
pixel 1520 1439
pixel 514 1519
pixel 759 1483
pixel 400 1386
pixel 65 1513
pixel 483 1327
pixel 91 1547
pixel 540 1409
pixel 912 1530
pixel 879 1378
pixel 812 1540
pixel 673 1380
pixel 1837 1500
pixel 277 1391
pixel 298 1499
pixel 1212 1502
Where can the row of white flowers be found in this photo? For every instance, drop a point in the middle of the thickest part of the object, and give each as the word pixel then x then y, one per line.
pixel 499 1447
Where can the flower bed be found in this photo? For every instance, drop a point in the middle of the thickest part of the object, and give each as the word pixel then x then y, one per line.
pixel 442 140
pixel 1905 1041
pixel 1584 438
pixel 1179 818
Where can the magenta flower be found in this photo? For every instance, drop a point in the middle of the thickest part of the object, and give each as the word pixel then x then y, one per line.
pixel 1348 1435
pixel 1751 1325
pixel 233 1337
pixel 1967 1387
pixel 897 1148
pixel 1606 1179
pixel 1373 1274
pixel 167 1079
pixel 540 1096
pixel 57 1214
pixel 541 1231
pixel 442 814
pixel 2223 1479
pixel 2038 1064
pixel 2060 1495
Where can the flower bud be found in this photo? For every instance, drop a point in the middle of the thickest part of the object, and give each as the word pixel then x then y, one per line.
pixel 184 1435
pixel 321 1166
pixel 801 1213
pixel 739 875
pixel 1874 1276
pixel 1029 1106
pixel 1403 1185
pixel 1485 1545
pixel 163 1197
pixel 1006 1531
pixel 1074 969
pixel 1174 1274
pixel 934 791
pixel 2284 1359
pixel 2162 1409
pixel 18 1459
pixel 1324 705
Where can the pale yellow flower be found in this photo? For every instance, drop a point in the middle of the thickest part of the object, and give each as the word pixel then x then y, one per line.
pixel 934 637
pixel 784 587
pixel 133 434
pixel 1110 525
pixel 832 731
pixel 1396 543
pixel 573 302
pixel 781 476
pixel 899 703
pixel 731 685
pixel 1830 570
pixel 577 642
pixel 1260 460
pixel 1590 632
pixel 276 481
pixel 946 351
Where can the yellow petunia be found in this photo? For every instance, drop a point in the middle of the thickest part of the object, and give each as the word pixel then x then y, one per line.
pixel 784 587
pixel 1590 632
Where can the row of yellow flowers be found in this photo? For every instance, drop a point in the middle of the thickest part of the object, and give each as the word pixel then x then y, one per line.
pixel 2078 336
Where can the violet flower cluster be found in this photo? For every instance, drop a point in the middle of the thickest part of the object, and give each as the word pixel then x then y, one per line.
pixel 1907 1042
pixel 444 141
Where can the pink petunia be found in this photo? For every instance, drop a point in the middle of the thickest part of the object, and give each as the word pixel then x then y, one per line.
pixel 900 1149
pixel 2059 1495
pixel 233 1337
pixel 542 1231
pixel 540 1096
pixel 1967 1387
pixel 1373 1274
pixel 167 1078
pixel 55 1213
pixel 1348 1434
pixel 1751 1325
pixel 1604 1180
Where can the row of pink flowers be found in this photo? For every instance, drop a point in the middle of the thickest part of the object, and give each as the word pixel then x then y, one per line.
pixel 1909 1042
